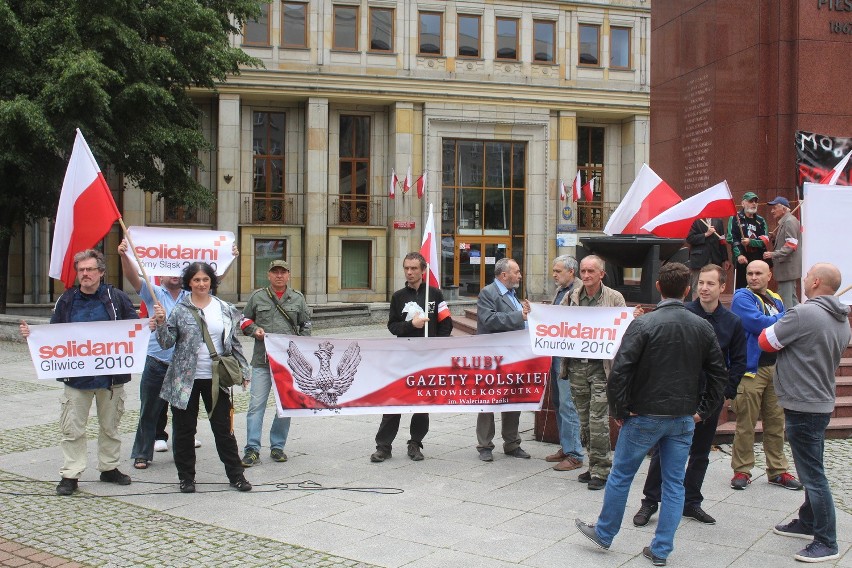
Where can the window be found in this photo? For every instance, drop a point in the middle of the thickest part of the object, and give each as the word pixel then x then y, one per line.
pixel 345 28
pixel 356 264
pixel 544 41
pixel 590 161
pixel 354 170
pixel 268 177
pixel 430 36
pixel 619 48
pixel 265 251
pixel 256 32
pixel 176 213
pixel 294 24
pixel 381 29
pixel 590 46
pixel 468 36
pixel 507 38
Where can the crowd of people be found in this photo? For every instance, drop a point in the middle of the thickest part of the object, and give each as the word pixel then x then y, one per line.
pixel 770 356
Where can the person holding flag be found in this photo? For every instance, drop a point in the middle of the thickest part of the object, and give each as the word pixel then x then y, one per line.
pixel 744 232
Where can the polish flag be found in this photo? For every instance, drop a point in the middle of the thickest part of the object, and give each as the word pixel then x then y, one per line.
pixel 406 184
pixel 675 223
pixel 562 194
pixel 429 250
pixel 393 181
pixel 575 188
pixel 589 189
pixel 648 197
pixel 831 177
pixel 421 186
pixel 86 212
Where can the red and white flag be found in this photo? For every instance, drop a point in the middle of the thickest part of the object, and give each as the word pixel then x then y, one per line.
pixel 406 184
pixel 648 197
pixel 562 195
pixel 421 186
pixel 393 181
pixel 589 189
pixel 675 223
pixel 429 250
pixel 831 177
pixel 576 192
pixel 86 212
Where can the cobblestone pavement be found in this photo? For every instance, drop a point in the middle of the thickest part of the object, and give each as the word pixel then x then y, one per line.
pixel 13 554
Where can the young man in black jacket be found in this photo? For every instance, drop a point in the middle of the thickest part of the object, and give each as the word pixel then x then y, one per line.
pixel 410 317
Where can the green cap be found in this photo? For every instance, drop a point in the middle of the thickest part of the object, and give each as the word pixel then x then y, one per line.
pixel 749 196
pixel 279 264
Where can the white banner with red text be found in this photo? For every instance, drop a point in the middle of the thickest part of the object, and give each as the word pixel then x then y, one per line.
pixel 89 349
pixel 316 376
pixel 577 331
pixel 166 252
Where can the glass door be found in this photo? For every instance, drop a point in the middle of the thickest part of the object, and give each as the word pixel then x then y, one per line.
pixel 474 262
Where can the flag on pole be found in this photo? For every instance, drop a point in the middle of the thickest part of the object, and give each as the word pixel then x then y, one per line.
pixel 429 250
pixel 589 189
pixel 393 181
pixel 575 188
pixel 421 186
pixel 674 223
pixel 562 195
pixel 86 212
pixel 406 184
pixel 647 197
pixel 831 177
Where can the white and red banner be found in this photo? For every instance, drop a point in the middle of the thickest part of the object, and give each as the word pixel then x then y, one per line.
pixel 429 250
pixel 576 188
pixel 406 183
pixel 577 331
pixel 562 195
pixel 647 197
pixel 589 189
pixel 166 252
pixel 85 214
pixel 316 376
pixel 89 349
pixel 675 223
pixel 831 177
pixel 393 181
pixel 421 185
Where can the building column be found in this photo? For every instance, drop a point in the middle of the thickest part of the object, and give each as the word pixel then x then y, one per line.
pixel 404 207
pixel 567 215
pixel 227 192
pixel 315 279
pixel 635 148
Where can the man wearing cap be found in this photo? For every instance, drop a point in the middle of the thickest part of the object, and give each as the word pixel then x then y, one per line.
pixel 786 258
pixel 744 232
pixel 275 309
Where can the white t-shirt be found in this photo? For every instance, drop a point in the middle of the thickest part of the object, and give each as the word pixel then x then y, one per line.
pixel 212 316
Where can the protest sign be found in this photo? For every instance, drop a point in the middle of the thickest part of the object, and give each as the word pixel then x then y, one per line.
pixel 577 331
pixel 166 252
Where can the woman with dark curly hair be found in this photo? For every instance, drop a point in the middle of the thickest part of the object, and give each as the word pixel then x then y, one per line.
pixel 190 374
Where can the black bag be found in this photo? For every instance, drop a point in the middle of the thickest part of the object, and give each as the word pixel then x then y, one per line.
pixel 227 372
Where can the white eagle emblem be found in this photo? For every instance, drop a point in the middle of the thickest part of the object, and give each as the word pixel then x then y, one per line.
pixel 324 387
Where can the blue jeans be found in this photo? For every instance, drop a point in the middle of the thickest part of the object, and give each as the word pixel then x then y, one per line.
pixel 151 408
pixel 261 383
pixel 638 435
pixel 567 419
pixel 806 434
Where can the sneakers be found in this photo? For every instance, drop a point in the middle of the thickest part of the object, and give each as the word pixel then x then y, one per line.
pixel 568 464
pixel 241 484
pixel 187 486
pixel 644 514
pixel 655 560
pixel 699 514
pixel 414 451
pixel 486 455
pixel 817 552
pixel 251 458
pixel 115 476
pixel 278 455
pixel 557 457
pixel 161 446
pixel 585 477
pixel 786 481
pixel 518 453
pixel 380 455
pixel 740 480
pixel 795 529
pixel 588 531
pixel 596 483
pixel 66 486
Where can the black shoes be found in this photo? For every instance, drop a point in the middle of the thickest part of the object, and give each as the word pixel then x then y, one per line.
pixel 486 455
pixel 596 483
pixel 585 477
pixel 115 476
pixel 655 560
pixel 380 455
pixel 518 452
pixel 187 486
pixel 641 518
pixel 241 484
pixel 66 486
pixel 588 531
pixel 699 514
pixel 414 451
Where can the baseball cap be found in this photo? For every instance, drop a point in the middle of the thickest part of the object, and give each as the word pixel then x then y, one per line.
pixel 749 196
pixel 782 200
pixel 279 264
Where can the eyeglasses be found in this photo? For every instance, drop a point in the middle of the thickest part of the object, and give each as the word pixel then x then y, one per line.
pixel 88 269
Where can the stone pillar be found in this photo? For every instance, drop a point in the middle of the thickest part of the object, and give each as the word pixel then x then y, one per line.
pixel 400 156
pixel 566 171
pixel 316 201
pixel 227 193
pixel 635 138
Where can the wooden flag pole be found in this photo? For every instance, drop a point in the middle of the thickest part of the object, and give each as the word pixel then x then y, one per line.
pixel 139 262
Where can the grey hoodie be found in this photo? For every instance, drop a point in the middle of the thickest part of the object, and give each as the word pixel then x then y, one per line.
pixel 811 338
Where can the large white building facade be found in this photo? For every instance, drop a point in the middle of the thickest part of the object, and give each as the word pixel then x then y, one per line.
pixel 495 101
